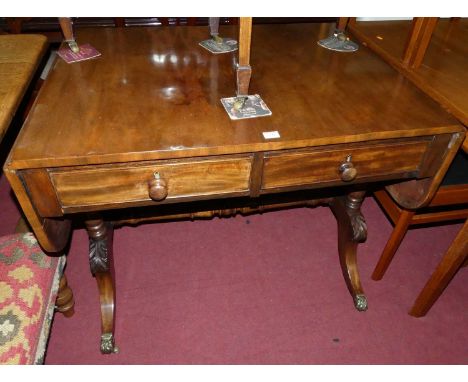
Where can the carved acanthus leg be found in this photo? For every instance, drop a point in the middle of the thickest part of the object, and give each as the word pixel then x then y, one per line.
pixel 100 260
pixel 351 230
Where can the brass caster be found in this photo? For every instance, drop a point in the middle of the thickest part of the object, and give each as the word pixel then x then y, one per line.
pixel 107 344
pixel 360 302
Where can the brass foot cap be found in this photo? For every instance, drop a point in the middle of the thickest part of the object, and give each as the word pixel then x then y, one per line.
pixel 107 344
pixel 360 302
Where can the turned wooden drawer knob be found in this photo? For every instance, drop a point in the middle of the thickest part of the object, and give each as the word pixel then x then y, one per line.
pixel 347 170
pixel 157 187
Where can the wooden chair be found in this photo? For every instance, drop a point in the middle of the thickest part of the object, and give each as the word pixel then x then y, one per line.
pixel 449 203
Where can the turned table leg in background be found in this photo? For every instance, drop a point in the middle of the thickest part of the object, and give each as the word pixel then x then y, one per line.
pixel 352 229
pixel 65 302
pixel 100 260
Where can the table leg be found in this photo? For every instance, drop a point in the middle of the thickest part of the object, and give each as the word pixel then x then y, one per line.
pixel 64 303
pixel 214 26
pixel 352 229
pixel 66 24
pixel 243 74
pixel 244 70
pixel 101 263
pixel 447 268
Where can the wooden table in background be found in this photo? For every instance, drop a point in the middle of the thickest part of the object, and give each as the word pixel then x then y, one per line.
pixel 20 56
pixel 140 133
pixel 443 73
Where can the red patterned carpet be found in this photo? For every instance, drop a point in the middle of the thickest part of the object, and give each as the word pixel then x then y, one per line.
pixel 266 289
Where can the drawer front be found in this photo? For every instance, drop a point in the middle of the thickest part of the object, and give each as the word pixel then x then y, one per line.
pixel 123 184
pixel 289 169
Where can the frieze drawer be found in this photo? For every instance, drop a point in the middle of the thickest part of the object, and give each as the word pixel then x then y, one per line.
pixel 289 169
pixel 157 182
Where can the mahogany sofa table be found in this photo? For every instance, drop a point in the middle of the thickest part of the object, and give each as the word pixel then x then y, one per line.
pixel 140 133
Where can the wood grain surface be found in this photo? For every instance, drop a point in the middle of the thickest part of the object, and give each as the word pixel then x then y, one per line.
pixel 308 167
pixel 443 73
pixel 20 55
pixel 122 184
pixel 99 129
pixel 155 94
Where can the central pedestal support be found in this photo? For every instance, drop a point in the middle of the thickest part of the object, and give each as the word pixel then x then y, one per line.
pixel 351 230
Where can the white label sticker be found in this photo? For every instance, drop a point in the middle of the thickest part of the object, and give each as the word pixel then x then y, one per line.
pixel 271 134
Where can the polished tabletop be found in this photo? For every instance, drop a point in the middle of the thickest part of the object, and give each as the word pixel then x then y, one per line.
pixel 19 58
pixel 444 69
pixel 155 94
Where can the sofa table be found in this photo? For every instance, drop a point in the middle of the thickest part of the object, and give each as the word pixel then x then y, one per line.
pixel 140 133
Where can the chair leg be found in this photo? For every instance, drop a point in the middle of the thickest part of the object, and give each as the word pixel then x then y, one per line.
pixel 65 303
pixel 393 243
pixel 448 266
